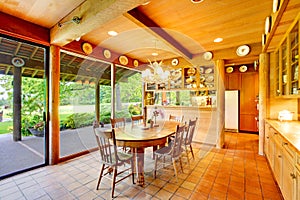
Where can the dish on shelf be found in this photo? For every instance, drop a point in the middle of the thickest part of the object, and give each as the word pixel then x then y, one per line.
pixel 243 68
pixel 209 78
pixel 201 70
pixel 135 63
pixel 207 55
pixel 176 75
pixel 208 71
pixel 175 62
pixel 87 48
pixel 191 71
pixel 229 69
pixel 202 79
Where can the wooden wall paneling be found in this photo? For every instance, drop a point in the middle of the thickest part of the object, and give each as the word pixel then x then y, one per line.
pixel 233 81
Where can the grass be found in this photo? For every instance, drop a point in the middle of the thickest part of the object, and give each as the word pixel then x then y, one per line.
pixel 6 127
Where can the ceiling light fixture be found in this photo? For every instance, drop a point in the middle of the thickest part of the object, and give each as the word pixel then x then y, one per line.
pixel 144 4
pixel 112 33
pixel 218 40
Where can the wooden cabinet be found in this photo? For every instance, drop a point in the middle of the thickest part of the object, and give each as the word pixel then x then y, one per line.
pixel 200 78
pixel 247 84
pixel 287 63
pixel 284 161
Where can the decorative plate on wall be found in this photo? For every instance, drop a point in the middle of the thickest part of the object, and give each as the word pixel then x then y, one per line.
pixel 229 69
pixel 243 50
pixel 268 23
pixel 123 60
pixel 243 68
pixel 87 48
pixel 207 55
pixel 276 4
pixel 106 53
pixel 135 63
pixel 175 62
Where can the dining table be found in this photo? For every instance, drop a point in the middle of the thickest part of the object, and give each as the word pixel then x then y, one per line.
pixel 139 137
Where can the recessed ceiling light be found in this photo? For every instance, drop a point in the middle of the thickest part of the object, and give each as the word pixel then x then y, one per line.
pixel 154 54
pixel 196 1
pixel 112 33
pixel 218 40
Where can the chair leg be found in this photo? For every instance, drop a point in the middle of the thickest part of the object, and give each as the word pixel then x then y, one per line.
pixel 187 155
pixel 181 164
pixel 132 170
pixel 113 182
pixel 192 151
pixel 155 166
pixel 175 169
pixel 100 176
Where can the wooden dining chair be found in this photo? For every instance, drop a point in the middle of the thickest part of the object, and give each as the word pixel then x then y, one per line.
pixel 112 160
pixel 137 119
pixel 188 139
pixel 118 122
pixel 176 118
pixel 173 151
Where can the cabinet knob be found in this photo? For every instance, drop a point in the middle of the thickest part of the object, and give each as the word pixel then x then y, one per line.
pixel 268 137
pixel 279 156
pixel 285 143
pixel 293 175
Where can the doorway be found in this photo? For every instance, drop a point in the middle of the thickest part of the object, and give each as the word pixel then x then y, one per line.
pixel 23 88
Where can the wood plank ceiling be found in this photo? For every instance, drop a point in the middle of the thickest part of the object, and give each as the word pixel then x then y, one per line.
pixel 174 29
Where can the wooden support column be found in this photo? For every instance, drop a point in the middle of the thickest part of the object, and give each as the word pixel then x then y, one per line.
pixel 17 92
pixel 113 84
pixel 97 101
pixel 220 76
pixel 264 63
pixel 54 131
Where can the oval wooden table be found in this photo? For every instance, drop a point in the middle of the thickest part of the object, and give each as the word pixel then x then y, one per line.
pixel 137 138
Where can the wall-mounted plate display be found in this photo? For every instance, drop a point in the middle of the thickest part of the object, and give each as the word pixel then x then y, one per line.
pixel 243 68
pixel 268 23
pixel 229 69
pixel 106 53
pixel 123 60
pixel 276 4
pixel 135 63
pixel 18 62
pixel 207 55
pixel 175 62
pixel 87 48
pixel 243 50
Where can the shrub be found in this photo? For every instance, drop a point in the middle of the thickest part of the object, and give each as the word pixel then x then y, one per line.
pixel 78 120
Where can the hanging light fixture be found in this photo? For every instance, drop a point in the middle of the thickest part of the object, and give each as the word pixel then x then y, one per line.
pixel 155 74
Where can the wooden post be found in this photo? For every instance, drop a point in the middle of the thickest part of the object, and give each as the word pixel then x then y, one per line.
pixel 264 63
pixel 97 101
pixel 220 84
pixel 54 129
pixel 17 92
pixel 113 96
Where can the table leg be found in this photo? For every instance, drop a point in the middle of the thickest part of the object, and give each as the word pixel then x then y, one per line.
pixel 140 166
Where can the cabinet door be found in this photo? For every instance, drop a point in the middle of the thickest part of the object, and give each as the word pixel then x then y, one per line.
pixel 297 184
pixel 294 45
pixel 284 68
pixel 278 164
pixel 233 81
pixel 271 154
pixel 288 176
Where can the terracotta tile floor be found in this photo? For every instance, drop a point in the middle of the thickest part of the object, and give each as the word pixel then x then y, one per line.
pixel 235 172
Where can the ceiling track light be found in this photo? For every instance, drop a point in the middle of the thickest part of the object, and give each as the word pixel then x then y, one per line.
pixel 75 20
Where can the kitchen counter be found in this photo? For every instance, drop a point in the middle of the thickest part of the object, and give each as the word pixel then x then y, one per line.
pixel 289 130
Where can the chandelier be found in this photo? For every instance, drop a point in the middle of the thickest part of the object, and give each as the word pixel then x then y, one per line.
pixel 156 74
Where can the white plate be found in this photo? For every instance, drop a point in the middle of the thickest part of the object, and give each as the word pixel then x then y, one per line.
pixel 210 79
pixel 135 63
pixel 106 53
pixel 201 70
pixel 207 55
pixel 175 62
pixel 229 69
pixel 243 68
pixel 123 60
pixel 208 71
pixel 176 75
pixel 243 50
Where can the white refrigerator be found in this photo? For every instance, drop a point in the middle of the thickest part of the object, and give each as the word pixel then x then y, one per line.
pixel 232 104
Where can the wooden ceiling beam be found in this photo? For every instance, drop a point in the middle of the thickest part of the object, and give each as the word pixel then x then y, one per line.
pixel 144 21
pixel 92 14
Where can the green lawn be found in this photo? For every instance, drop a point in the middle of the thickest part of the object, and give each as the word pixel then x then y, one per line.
pixel 6 127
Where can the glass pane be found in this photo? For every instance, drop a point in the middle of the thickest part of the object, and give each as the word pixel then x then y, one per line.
pixel 79 77
pixel 22 86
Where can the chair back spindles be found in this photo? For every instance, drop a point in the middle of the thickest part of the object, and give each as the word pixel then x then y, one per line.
pixel 118 122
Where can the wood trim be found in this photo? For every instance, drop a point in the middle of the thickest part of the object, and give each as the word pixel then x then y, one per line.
pixel 154 27
pixel 21 29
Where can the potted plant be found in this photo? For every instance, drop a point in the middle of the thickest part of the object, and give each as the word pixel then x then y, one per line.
pixel 37 129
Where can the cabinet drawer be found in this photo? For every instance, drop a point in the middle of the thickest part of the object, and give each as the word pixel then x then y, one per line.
pixel 289 149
